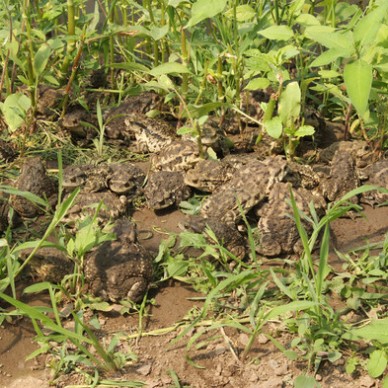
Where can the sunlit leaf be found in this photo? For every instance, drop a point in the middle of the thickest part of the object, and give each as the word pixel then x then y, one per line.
pixel 329 37
pixel 204 9
pixel 15 108
pixel 289 104
pixel 41 58
pixel 304 130
pixel 244 13
pixel 257 83
pixel 377 363
pixel 375 330
pixel 277 33
pixel 274 127
pixel 168 68
pixel 358 80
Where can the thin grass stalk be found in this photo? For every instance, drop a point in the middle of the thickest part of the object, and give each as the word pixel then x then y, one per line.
pixel 185 76
pixel 30 54
pixel 74 70
pixel 71 33
pixel 58 215
pixel 6 60
pixel 202 86
pixel 323 261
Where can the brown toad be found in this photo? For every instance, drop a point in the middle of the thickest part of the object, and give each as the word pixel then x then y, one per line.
pixel 120 178
pixel 342 179
pixel 112 206
pixel 276 231
pixel 165 189
pixel 80 124
pixel 248 187
pixel 180 155
pixel 375 174
pixel 119 269
pixel 358 149
pixel 208 175
pixel 7 152
pixel 136 106
pixel 49 264
pixel 33 178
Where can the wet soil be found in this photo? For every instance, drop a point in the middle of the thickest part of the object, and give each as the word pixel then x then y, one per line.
pixel 218 362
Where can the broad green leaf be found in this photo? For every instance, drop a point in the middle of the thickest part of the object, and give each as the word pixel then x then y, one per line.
pixel 290 307
pixel 329 37
pixel 164 82
pixel 306 19
pixel 168 68
pixel 375 330
pixel 303 381
pixel 204 9
pixel 274 127
pixel 289 104
pixel 197 111
pixel 51 80
pixel 351 364
pixel 358 80
pixel 258 63
pixel 257 83
pixel 328 73
pixel 176 3
pixel 177 267
pixel 15 108
pixel 41 58
pixel 288 51
pixel 367 28
pixel 158 33
pixel 243 13
pixel 304 130
pixel 277 33
pixel 377 363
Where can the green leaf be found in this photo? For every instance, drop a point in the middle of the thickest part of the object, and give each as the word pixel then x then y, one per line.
pixel 204 9
pixel 306 19
pixel 257 83
pixel 41 58
pixel 158 33
pixel 243 13
pixel 351 364
pixel 377 363
pixel 358 80
pixel 15 108
pixel 176 3
pixel 168 68
pixel 376 330
pixel 366 30
pixel 51 80
pixel 303 381
pixel 290 307
pixel 330 38
pixel 289 104
pixel 328 73
pixel 304 130
pixel 274 127
pixel 177 267
pixel 277 33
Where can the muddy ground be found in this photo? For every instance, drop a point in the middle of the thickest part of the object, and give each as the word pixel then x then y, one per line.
pixel 218 362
